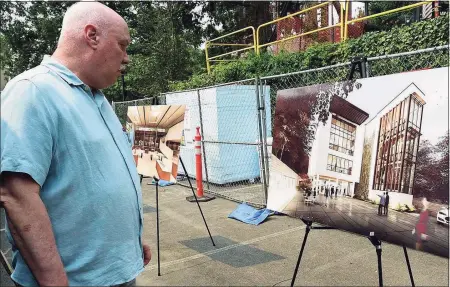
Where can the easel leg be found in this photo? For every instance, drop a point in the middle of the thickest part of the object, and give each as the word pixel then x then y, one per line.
pixel 308 228
pixel 409 266
pixel 157 225
pixel 195 196
pixel 377 243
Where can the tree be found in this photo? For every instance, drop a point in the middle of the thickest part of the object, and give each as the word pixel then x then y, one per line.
pixel 229 16
pixel 5 52
pixel 165 40
pixel 32 30
pixel 166 37
pixel 387 21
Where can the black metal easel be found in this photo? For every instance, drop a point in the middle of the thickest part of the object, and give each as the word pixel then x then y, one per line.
pixel 308 228
pixel 358 64
pixel 377 243
pixel 196 200
pixel 157 214
pixel 157 223
pixel 409 266
pixel 373 239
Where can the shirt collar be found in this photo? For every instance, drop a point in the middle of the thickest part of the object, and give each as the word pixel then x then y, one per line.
pixel 61 70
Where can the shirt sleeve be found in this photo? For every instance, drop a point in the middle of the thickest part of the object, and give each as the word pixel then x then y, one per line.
pixel 27 131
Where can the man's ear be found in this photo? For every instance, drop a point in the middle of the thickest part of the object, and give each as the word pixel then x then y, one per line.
pixel 91 36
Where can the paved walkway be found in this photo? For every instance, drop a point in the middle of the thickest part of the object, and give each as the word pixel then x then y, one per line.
pixel 265 255
pixel 361 217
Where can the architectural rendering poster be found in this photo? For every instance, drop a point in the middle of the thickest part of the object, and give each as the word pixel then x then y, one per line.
pixel 157 138
pixel 373 159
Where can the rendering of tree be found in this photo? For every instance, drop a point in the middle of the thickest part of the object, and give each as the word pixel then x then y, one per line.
pixel 362 188
pixel 432 173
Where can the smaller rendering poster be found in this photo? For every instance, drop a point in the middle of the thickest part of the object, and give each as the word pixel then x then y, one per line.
pixel 157 138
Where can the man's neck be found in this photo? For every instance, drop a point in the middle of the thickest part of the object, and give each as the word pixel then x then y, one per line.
pixel 72 63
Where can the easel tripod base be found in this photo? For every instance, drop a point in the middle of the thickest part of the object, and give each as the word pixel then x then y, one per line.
pixel 204 198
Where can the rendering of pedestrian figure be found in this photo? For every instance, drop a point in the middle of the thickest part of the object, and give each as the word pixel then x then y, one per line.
pixel 308 191
pixel 381 204
pixel 422 225
pixel 386 204
pixel 326 195
pixel 332 191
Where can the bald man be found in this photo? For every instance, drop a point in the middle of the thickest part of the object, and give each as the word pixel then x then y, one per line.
pixel 69 183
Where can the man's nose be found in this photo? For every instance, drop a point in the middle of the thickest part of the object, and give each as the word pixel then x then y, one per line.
pixel 126 59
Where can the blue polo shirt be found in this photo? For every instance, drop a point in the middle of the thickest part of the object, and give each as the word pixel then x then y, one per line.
pixel 69 140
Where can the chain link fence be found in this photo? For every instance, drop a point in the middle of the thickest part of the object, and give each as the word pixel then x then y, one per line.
pixel 121 108
pixel 229 119
pixel 235 119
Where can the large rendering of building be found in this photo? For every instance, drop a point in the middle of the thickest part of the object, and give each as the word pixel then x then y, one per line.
pixel 367 145
pixel 394 136
pixel 335 158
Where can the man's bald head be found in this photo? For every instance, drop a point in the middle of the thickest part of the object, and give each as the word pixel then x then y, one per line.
pixel 93 43
pixel 81 14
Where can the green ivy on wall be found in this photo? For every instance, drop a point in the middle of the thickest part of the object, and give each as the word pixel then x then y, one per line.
pixel 405 38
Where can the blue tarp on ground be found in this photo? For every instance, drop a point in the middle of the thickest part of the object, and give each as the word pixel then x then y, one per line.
pixel 162 182
pixel 249 214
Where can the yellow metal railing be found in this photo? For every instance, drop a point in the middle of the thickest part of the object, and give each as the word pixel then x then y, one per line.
pixel 343 24
pixel 407 7
pixel 259 46
pixel 211 43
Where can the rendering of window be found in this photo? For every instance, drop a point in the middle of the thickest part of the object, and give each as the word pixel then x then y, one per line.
pixel 342 136
pixel 398 143
pixel 339 164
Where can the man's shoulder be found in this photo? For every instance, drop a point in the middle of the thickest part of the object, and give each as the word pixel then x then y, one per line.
pixel 34 75
pixel 42 77
pixel 38 80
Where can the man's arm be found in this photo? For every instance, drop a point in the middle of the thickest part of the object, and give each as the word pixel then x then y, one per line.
pixel 31 228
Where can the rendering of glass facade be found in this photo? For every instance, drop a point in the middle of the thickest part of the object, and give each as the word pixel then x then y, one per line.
pixel 339 164
pixel 342 136
pixel 398 143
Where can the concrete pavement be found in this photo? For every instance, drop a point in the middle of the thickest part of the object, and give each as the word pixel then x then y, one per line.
pixel 265 255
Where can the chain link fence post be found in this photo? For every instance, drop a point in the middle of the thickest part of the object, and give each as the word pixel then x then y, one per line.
pixel 265 128
pixel 261 137
pixel 264 155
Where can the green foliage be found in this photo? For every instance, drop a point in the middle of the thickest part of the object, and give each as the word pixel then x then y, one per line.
pixel 394 19
pixel 420 35
pixel 164 48
pixel 5 52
